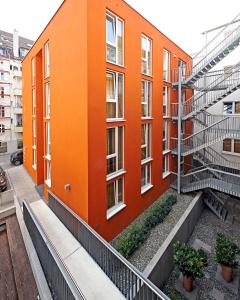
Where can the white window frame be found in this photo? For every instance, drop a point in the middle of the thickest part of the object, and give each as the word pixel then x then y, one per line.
pixel 48 180
pixel 166 164
pixel 34 165
pixel 115 100
pixel 47 60
pixel 166 65
pixel 48 140
pixel 115 155
pixel 166 137
pixel 232 152
pixel 145 59
pixel 148 171
pixel 119 205
pixel 115 19
pixel 33 103
pixel 48 100
pixel 166 101
pixel 33 71
pixel 34 133
pixel 233 107
pixel 147 137
pixel 147 101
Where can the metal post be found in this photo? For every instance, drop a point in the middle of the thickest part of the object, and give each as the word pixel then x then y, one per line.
pixel 179 125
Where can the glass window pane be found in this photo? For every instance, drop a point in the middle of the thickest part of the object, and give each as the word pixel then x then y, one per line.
pixel 111 31
pixel 111 165
pixel 237 107
pixel 111 53
pixel 111 141
pixel 237 146
pixel 120 41
pixel 143 176
pixel 144 48
pixel 228 108
pixel 120 190
pixel 111 110
pixel 120 148
pixel 120 96
pixel 110 195
pixel 227 143
pixel 110 85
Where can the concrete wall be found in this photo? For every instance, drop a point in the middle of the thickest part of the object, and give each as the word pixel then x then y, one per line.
pixel 161 265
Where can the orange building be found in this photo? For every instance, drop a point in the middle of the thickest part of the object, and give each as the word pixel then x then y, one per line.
pixel 97 119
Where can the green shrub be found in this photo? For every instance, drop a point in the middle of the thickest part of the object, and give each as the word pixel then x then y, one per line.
pixel 226 251
pixel 128 243
pixel 188 260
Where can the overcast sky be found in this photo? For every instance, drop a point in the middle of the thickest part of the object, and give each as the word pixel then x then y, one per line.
pixel 181 20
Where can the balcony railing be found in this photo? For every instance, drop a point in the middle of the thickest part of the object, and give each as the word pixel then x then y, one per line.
pixel 60 282
pixel 131 283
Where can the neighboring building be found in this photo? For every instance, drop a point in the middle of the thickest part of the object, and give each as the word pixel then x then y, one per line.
pixel 97 121
pixel 12 50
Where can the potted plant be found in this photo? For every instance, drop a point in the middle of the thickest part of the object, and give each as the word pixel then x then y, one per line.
pixel 226 252
pixel 189 262
pixel 204 257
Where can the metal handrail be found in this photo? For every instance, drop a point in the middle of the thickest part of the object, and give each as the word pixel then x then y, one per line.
pixel 60 281
pixel 131 283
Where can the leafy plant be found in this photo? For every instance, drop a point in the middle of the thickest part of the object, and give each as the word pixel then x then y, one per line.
pixel 226 251
pixel 203 255
pixel 129 242
pixel 188 260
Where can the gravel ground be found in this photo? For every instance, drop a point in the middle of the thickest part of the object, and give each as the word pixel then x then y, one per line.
pixel 206 230
pixel 143 255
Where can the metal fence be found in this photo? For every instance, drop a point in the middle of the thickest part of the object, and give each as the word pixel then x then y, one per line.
pixel 131 283
pixel 60 282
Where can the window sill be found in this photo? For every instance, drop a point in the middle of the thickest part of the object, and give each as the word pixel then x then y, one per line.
pixel 147 160
pixel 148 75
pixel 166 151
pixel 166 174
pixel 34 167
pixel 115 120
pixel 231 153
pixel 48 157
pixel 116 174
pixel 48 183
pixel 167 117
pixel 34 147
pixel 146 188
pixel 115 64
pixel 167 81
pixel 146 118
pixel 114 210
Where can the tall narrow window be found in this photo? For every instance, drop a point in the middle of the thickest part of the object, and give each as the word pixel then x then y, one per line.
pixel 165 165
pixel 34 133
pixel 48 100
pixel 166 65
pixel 114 193
pixel 114 150
pixel 145 177
pixel 33 71
pixel 145 147
pixel 166 101
pixel 114 94
pixel 114 36
pixel 48 173
pixel 165 136
pixel 146 56
pixel 33 103
pixel 47 60
pixel 2 92
pixel 2 111
pixel 146 98
pixel 227 145
pixel 236 146
pixel 48 140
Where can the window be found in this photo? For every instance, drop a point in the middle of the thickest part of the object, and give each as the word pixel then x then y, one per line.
pixel 19 144
pixel 232 146
pixel 2 111
pixel 2 92
pixel 146 56
pixel 145 177
pixel 34 159
pixel 231 107
pixel 114 150
pixel 48 140
pixel 34 133
pixel 33 103
pixel 2 76
pixel 48 173
pixel 165 136
pixel 115 193
pixel 166 93
pixel 114 36
pixel 47 60
pixel 2 128
pixel 33 71
pixel 145 147
pixel 3 147
pixel 114 94
pixel 146 98
pixel 47 100
pixel 165 165
pixel 166 65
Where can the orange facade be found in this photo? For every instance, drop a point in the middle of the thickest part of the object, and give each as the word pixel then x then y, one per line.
pixel 76 37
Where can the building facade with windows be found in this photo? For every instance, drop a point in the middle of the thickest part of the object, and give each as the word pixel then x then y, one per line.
pixel 12 50
pixel 97 115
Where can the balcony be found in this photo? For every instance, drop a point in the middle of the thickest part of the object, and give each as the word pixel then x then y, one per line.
pixel 17 73
pixel 19 128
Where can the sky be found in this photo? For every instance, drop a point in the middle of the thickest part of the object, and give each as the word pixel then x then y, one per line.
pixel 181 20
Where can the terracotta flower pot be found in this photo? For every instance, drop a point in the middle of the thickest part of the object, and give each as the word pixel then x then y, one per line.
pixel 227 273
pixel 188 283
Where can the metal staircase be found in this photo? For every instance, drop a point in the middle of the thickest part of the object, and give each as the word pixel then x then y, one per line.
pixel 213 170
